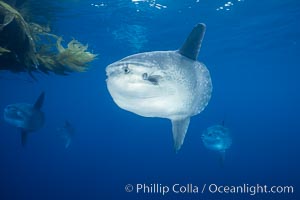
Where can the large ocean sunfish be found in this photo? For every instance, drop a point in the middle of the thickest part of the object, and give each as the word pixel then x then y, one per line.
pixel 27 117
pixel 165 84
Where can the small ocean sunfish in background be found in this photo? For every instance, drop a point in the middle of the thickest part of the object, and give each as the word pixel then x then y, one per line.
pixel 28 117
pixel 217 138
pixel 67 133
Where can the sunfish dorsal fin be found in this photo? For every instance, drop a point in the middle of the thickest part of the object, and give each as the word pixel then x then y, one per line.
pixel 192 44
pixel 39 102
pixel 67 124
pixel 179 128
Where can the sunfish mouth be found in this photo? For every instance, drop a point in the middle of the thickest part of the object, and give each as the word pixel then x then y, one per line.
pixel 134 90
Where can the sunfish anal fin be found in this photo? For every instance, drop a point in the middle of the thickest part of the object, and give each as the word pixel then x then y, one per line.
pixel 24 136
pixel 39 102
pixel 222 158
pixel 68 142
pixel 179 128
pixel 192 44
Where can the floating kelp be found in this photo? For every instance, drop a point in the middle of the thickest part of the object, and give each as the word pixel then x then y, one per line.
pixel 75 57
pixel 27 46
pixel 16 37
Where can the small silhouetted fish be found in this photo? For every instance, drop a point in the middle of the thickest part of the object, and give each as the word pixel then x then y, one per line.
pixel 66 132
pixel 217 138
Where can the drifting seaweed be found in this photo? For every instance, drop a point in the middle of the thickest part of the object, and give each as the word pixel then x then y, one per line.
pixel 28 46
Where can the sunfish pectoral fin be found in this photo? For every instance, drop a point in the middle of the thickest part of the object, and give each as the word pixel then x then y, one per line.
pixel 39 102
pixel 24 135
pixel 179 128
pixel 192 44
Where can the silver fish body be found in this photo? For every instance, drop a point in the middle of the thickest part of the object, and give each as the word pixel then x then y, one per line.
pixel 217 138
pixel 25 116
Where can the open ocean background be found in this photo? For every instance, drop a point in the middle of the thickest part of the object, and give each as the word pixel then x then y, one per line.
pixel 252 51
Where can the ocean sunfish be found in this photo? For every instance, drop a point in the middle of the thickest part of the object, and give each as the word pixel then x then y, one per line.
pixel 217 138
pixel 66 133
pixel 165 84
pixel 27 117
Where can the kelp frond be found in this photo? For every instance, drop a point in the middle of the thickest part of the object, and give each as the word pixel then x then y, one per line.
pixel 40 49
pixel 75 57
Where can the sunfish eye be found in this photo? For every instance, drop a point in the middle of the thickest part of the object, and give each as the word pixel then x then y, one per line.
pixel 126 69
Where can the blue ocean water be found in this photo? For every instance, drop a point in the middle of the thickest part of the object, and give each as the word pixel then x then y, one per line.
pixel 251 49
